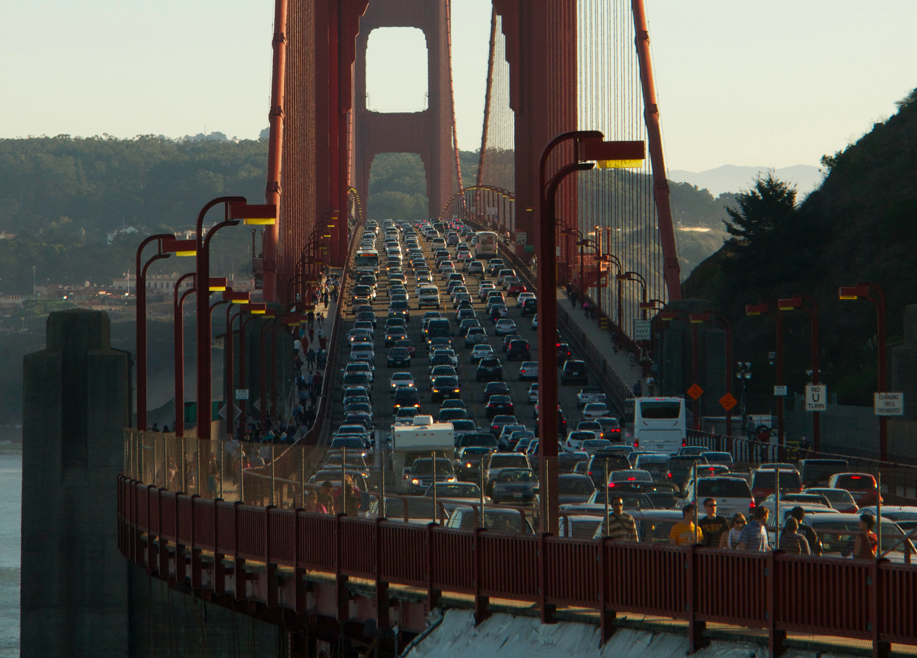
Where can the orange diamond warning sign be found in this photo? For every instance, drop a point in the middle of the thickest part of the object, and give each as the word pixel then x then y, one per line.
pixel 695 391
pixel 728 401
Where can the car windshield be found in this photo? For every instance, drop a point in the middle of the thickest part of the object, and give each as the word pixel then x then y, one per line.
pixel 425 467
pixel 766 479
pixel 457 490
pixel 723 488
pixel 854 482
pixel 580 485
pixel 517 475
pixel 508 461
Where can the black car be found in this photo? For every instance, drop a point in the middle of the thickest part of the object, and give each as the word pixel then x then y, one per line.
pixel 561 422
pixel 399 356
pixel 596 467
pixel 499 404
pixel 444 387
pixel 489 370
pixel 518 349
pixel 495 388
pixel 563 353
pixel 574 372
pixel 529 307
pixel 366 316
pixel 405 397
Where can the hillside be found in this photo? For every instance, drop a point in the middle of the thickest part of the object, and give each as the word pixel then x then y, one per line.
pixel 859 226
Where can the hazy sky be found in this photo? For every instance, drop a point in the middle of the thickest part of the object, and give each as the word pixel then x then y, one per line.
pixel 740 82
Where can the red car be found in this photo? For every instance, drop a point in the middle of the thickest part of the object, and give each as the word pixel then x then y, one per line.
pixel 408 345
pixel 515 289
pixel 862 486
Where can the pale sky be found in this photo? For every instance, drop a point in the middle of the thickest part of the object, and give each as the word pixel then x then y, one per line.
pixel 740 82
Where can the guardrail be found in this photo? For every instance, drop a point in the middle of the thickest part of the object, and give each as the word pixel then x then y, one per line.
pixel 864 599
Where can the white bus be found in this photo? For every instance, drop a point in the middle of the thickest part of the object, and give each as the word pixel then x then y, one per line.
pixel 366 260
pixel 485 245
pixel 656 424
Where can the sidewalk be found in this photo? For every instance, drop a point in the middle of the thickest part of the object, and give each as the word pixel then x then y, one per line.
pixel 629 372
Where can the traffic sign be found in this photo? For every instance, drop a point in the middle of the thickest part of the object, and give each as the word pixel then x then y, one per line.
pixel 728 401
pixel 695 391
pixel 603 323
pixel 521 237
pixel 816 397
pixel 241 393
pixel 641 329
pixel 888 404
pixel 780 391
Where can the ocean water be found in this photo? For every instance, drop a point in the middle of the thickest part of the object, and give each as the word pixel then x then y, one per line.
pixel 10 526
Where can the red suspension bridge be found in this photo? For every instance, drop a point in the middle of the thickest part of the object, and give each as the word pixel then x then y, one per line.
pixel 571 168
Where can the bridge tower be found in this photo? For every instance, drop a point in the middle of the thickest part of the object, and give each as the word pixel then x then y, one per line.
pixel 428 133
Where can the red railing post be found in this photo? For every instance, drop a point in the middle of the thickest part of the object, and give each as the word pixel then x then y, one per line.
pixel 238 568
pixel 432 593
pixel 382 600
pixel 270 568
pixel 776 638
pixel 340 580
pixel 876 611
pixel 219 569
pixel 196 576
pixel 547 609
pixel 480 601
pixel 150 548
pixel 606 616
pixel 696 627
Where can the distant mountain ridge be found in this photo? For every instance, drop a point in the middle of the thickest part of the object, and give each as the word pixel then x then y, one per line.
pixel 733 178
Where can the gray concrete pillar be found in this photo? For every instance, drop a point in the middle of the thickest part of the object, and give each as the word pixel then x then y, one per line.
pixel 75 407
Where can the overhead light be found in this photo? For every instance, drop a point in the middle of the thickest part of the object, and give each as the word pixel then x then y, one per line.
pixel 254 214
pixel 180 247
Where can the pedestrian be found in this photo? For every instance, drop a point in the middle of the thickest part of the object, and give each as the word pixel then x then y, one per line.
pixel 320 333
pixel 638 389
pixel 322 342
pixel 572 295
pixel 317 383
pixel 309 417
pixel 321 319
pixel 310 379
pixel 650 385
pixel 614 342
pixel 312 504
pixel 297 364
pixel 326 497
pixel 754 535
pixel 632 358
pixel 311 318
pixel 592 311
pixel 325 298
pixel 297 345
pixel 712 525
pixel 791 541
pixel 811 536
pixel 621 525
pixel 731 539
pixel 310 358
pixel 864 544
pixel 685 532
pixel 334 294
pixel 311 335
pixel 321 358
pixel 586 309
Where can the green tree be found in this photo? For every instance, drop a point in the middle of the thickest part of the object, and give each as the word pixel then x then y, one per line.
pixel 764 212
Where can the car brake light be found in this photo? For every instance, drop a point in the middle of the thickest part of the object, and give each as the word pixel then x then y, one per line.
pixel 855 477
pixel 684 444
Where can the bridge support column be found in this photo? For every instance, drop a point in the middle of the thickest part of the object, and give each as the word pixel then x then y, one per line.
pixel 76 404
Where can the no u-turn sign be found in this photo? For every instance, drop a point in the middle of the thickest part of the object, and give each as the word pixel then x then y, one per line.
pixel 816 397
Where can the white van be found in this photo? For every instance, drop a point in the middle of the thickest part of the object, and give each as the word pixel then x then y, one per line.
pixel 732 495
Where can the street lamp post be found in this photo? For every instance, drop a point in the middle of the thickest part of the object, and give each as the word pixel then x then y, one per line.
pixel 162 240
pixel 236 209
pixel 667 316
pixel 743 374
pixel 179 343
pixel 810 305
pixel 638 278
pixel 251 310
pixel 589 148
pixel 759 309
pixel 875 294
pixel 265 326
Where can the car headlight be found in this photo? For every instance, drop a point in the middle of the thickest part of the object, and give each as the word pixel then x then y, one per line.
pixel 415 481
pixel 451 479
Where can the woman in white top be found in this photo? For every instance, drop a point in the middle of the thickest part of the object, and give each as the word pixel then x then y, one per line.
pixel 730 539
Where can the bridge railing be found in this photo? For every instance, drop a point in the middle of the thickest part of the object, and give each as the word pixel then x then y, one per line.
pixel 863 599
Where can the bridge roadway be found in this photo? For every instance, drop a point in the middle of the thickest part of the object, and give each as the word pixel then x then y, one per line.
pixel 326 577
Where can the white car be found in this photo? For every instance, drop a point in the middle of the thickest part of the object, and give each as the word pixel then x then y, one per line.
pixel 595 410
pixel 479 352
pixel 520 300
pixel 475 267
pixel 484 288
pixel 535 321
pixel 400 379
pixel 528 370
pixel 447 352
pixel 428 296
pixel 504 327
pixel 732 494
pixel 575 440
pixel 362 352
pixel 361 367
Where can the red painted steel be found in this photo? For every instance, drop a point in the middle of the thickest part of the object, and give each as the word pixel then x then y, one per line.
pixel 406 566
pixel 871 600
pixel 572 569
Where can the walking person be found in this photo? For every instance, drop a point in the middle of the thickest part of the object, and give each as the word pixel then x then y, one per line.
pixel 310 358
pixel 730 540
pixel 754 535
pixel 614 342
pixel 791 541
pixel 866 543
pixel 811 536
pixel 685 532
pixel 621 525
pixel 713 526
pixel 311 335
